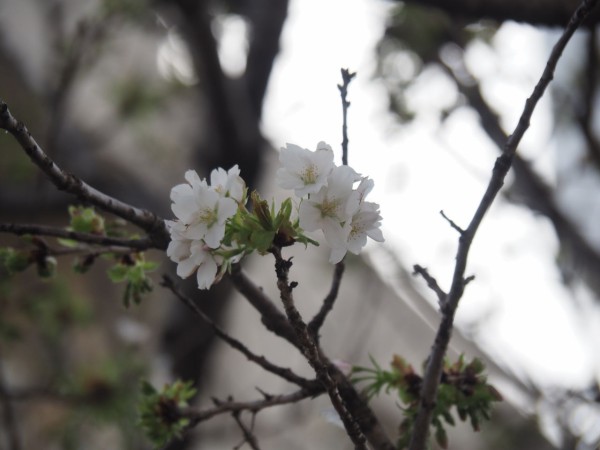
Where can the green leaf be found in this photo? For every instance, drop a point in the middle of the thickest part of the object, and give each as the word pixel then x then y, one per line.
pixel 86 220
pixel 14 260
pixel 69 243
pixel 159 411
pixel 149 266
pixel 261 240
pixel 118 273
pixel 260 209
pixel 441 437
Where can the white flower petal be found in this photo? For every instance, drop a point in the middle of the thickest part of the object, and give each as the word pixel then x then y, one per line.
pixel 206 274
pixel 376 234
pixel 178 250
pixel 337 254
pixel 309 216
pixel 302 170
pixel 186 267
pixel 214 235
pixel 226 208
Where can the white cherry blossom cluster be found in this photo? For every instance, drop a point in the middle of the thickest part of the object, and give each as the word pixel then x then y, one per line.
pixel 330 202
pixel 202 211
pixel 213 229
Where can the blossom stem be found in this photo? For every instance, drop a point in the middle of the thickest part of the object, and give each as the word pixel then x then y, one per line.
pixel 347 77
pixel 311 350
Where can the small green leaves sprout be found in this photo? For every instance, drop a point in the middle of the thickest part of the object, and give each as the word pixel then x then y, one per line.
pixel 160 416
pixel 463 386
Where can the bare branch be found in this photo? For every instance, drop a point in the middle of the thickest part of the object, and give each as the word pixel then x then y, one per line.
pixel 503 163
pixel 535 12
pixel 282 372
pixel 311 351
pixel 276 322
pixel 452 223
pixel 249 437
pixel 198 415
pixel 347 77
pixel 432 283
pixel 319 319
pixel 88 238
pixel 64 181
pixel 271 317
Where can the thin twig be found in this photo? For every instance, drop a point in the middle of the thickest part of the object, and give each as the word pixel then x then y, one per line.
pixel 311 350
pixel 271 317
pixel 282 372
pixel 529 187
pixel 452 223
pixel 249 437
pixel 201 415
pixel 317 322
pixel 275 321
pixel 347 77
pixel 42 230
pixel 432 283
pixel 319 319
pixel 148 221
pixel 503 163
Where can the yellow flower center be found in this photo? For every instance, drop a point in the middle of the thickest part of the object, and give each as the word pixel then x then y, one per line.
pixel 329 207
pixel 207 216
pixel 309 175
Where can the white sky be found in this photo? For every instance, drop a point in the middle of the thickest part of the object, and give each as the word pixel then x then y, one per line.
pixel 422 168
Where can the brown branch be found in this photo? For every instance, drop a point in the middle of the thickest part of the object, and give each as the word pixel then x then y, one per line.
pixel 586 115
pixel 249 437
pixel 282 372
pixel 198 415
pixel 535 12
pixel 528 187
pixel 271 317
pixel 452 223
pixel 319 319
pixel 64 181
pixel 276 322
pixel 503 163
pixel 347 77
pixel 88 238
pixel 432 283
pixel 311 351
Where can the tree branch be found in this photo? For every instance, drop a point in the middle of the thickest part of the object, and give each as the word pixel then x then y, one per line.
pixel 282 372
pixel 535 12
pixel 319 319
pixel 276 322
pixel 64 181
pixel 432 283
pixel 503 163
pixel 198 415
pixel 249 437
pixel 88 238
pixel 529 188
pixel 311 351
pixel 271 317
pixel 347 77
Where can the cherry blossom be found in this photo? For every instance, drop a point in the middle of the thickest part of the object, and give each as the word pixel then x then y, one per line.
pixel 331 206
pixel 228 183
pixel 191 256
pixel 304 171
pixel 202 210
pixel 364 223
